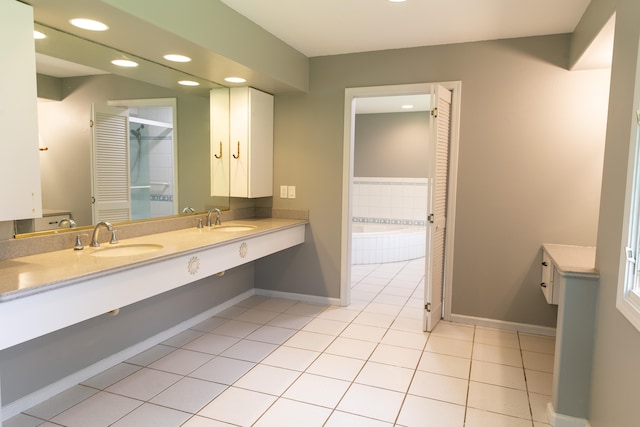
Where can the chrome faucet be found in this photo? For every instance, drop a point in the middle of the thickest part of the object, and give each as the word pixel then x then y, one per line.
pixel 188 210
pixel 94 237
pixel 69 221
pixel 218 213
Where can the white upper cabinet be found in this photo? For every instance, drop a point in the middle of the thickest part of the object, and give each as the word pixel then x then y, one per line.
pixel 20 162
pixel 250 143
pixel 219 110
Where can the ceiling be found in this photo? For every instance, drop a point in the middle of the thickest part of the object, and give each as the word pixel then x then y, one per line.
pixel 330 27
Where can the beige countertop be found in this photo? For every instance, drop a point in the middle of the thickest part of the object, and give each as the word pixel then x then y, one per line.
pixel 27 275
pixel 571 259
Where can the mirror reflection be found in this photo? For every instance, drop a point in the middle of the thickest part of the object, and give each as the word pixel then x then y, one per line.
pixel 167 131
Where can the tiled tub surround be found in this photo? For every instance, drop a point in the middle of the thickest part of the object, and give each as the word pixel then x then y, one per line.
pixel 388 219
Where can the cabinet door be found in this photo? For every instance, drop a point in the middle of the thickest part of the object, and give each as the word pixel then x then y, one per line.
pixel 548 272
pixel 219 110
pixel 20 165
pixel 251 143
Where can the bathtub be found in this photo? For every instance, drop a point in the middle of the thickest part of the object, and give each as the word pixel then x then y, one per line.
pixel 374 243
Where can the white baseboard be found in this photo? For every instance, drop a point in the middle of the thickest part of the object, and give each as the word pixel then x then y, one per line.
pixel 501 324
pixel 39 396
pixel 312 299
pixel 560 420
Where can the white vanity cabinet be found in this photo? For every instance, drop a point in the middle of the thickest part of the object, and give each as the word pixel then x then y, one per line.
pixel 20 165
pixel 250 143
pixel 551 293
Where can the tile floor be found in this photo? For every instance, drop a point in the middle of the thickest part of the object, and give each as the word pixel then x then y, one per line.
pixel 275 362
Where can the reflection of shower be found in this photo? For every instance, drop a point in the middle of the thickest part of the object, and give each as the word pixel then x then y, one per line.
pixel 136 162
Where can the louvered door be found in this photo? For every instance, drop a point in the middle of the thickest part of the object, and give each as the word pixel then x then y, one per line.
pixel 111 194
pixel 440 124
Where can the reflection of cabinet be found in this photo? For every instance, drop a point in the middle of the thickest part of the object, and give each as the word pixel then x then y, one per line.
pixel 49 221
pixel 20 164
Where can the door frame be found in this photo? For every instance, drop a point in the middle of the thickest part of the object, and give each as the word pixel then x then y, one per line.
pixel 347 178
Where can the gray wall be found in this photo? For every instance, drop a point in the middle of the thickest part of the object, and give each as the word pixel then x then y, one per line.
pixel 531 144
pixel 391 145
pixel 616 378
pixel 64 127
pixel 28 367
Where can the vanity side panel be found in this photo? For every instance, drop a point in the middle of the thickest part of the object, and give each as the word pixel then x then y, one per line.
pixel 28 367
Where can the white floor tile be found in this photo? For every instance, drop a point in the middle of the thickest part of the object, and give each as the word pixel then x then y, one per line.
pixel 339 367
pixel 494 354
pixel 238 406
pixel 453 331
pixel 310 341
pixel 479 418
pixel 344 419
pixel 372 402
pixel 183 338
pixel 61 402
pixel 271 334
pixel 289 413
pixel 212 323
pixel 452 347
pixel 181 361
pixel 439 387
pixel 276 304
pixel 390 310
pixel 317 390
pixel 340 314
pixel 23 420
pixel 537 343
pixel 297 359
pixel 539 382
pixel 502 400
pixel 290 321
pixel 351 348
pixel 101 409
pixel 267 379
pixel 396 356
pixel 144 384
pixel 415 410
pixel 409 324
pixel 374 319
pixel 363 332
pixel 198 421
pixel 251 351
pixel 150 355
pixel 538 361
pixel 255 315
pixel 149 415
pixel 236 328
pixel 223 370
pixel 306 309
pixel 444 364
pixel 385 376
pixel 539 407
pixel 502 375
pixel 325 326
pixel 415 340
pixel 497 337
pixel 211 343
pixel 189 394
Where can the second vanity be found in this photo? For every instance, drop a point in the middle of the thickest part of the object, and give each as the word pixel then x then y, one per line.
pixel 46 292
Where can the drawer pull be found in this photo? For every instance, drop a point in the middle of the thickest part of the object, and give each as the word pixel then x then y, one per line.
pixel 544 285
pixel 545 263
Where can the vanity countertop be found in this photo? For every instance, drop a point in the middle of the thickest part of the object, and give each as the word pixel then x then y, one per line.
pixel 570 259
pixel 28 275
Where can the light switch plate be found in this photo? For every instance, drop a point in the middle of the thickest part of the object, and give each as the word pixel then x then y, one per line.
pixel 284 192
pixel 292 192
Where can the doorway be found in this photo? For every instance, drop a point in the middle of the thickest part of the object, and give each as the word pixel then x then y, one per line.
pixel 355 96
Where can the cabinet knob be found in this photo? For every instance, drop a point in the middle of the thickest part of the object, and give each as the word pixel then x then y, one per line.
pixel 545 263
pixel 544 285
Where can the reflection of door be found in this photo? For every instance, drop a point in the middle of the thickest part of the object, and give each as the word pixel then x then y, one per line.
pixel 111 196
pixel 440 122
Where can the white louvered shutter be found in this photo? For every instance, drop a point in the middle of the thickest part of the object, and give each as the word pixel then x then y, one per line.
pixel 110 164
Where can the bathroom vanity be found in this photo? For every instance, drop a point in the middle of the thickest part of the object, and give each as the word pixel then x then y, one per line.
pixel 49 291
pixel 570 280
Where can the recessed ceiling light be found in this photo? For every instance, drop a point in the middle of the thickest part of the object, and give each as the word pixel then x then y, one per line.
pixel 89 24
pixel 406 106
pixel 38 35
pixel 177 58
pixel 124 63
pixel 235 79
pixel 188 83
pixel 397 1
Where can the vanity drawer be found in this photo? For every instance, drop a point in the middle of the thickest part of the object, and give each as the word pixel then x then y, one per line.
pixel 547 285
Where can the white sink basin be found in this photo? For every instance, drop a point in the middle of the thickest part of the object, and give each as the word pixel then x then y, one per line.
pixel 234 228
pixel 126 250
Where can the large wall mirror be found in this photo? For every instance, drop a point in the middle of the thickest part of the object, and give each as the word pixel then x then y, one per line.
pixel 75 76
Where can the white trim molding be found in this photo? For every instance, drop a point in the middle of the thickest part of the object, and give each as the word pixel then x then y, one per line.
pixel 560 420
